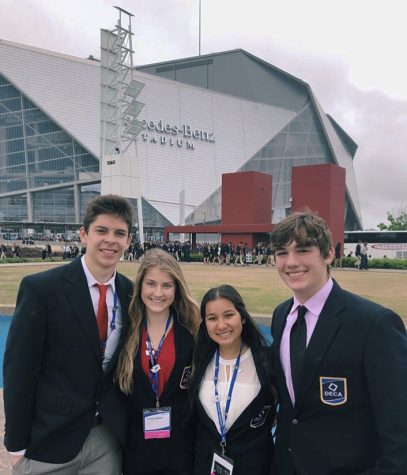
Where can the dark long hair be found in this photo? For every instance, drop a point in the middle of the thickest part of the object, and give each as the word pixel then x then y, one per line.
pixel 205 347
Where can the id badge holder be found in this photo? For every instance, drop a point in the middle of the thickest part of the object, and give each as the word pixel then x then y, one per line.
pixel 157 423
pixel 221 465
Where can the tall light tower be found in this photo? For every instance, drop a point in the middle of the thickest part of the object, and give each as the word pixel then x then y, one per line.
pixel 119 110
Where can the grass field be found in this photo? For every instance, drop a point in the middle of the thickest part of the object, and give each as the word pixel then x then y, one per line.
pixel 260 287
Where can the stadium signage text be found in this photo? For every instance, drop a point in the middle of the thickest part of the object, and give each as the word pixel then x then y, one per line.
pixel 174 135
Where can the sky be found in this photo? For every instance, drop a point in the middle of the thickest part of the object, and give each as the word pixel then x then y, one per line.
pixel 351 53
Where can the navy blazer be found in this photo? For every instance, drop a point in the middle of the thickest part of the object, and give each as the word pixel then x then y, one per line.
pixel 53 377
pixel 176 452
pixel 358 425
pixel 249 440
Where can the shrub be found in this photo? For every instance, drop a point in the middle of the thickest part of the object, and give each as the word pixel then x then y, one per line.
pixel 382 263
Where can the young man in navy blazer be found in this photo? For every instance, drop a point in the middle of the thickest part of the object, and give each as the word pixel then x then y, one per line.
pixel 63 413
pixel 340 371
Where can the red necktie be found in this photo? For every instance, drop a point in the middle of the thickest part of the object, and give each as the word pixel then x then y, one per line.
pixel 102 315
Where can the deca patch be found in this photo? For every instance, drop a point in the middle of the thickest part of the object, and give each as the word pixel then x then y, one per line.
pixel 185 377
pixel 334 391
pixel 260 419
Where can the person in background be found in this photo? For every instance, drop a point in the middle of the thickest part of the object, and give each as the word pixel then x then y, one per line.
pixel 259 253
pixel 270 257
pixel 63 413
pixel 338 255
pixel 363 256
pixel 357 254
pixel 339 366
pixel 15 250
pixel 231 390
pixel 239 254
pixel 155 367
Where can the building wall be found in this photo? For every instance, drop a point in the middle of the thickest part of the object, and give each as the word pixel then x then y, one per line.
pixel 242 125
pixel 65 86
pixel 240 128
pixel 252 79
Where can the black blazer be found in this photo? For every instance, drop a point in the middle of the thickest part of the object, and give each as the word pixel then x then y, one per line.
pixel 249 440
pixel 53 378
pixel 366 434
pixel 176 452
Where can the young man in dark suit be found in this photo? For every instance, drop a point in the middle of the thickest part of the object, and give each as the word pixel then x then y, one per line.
pixel 63 412
pixel 340 366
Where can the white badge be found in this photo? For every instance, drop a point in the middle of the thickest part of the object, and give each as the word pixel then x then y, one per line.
pixel 221 465
pixel 157 423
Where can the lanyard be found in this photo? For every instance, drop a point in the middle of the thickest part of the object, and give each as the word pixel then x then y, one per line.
pixel 112 322
pixel 153 355
pixel 115 307
pixel 222 421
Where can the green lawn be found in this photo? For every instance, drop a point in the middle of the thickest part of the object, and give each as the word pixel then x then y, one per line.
pixel 260 287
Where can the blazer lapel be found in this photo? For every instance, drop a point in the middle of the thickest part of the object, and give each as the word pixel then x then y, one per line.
pixel 124 299
pixel 77 293
pixel 278 329
pixel 328 324
pixel 183 348
pixel 257 404
pixel 278 326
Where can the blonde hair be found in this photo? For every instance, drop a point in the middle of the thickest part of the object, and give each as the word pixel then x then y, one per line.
pixel 184 307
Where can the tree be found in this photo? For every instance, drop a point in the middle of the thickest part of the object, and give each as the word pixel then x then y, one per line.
pixel 397 221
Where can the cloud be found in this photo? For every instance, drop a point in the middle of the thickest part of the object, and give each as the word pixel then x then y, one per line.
pixel 375 121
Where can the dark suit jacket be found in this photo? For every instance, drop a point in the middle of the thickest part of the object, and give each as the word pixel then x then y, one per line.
pixel 366 434
pixel 176 452
pixel 249 441
pixel 53 378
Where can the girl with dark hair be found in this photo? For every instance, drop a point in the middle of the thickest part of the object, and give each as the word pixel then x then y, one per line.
pixel 231 389
pixel 154 369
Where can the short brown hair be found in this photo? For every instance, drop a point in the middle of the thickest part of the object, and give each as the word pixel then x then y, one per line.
pixel 108 204
pixel 305 229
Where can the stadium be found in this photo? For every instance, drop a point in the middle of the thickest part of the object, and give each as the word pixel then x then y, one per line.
pixel 203 117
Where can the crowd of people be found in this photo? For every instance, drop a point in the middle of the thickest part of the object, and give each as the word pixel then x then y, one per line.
pixel 107 376
pixel 181 251
pixel 14 251
pixel 212 253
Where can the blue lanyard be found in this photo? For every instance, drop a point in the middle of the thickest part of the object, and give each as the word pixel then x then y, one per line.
pixel 112 322
pixel 154 355
pixel 222 422
pixel 115 307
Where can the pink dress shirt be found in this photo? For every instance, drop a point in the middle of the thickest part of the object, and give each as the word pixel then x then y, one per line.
pixel 314 306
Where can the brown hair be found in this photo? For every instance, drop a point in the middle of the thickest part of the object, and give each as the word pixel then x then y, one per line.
pixel 305 229
pixel 108 204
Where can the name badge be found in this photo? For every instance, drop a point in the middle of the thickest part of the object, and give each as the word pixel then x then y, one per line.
pixel 221 465
pixel 333 391
pixel 157 423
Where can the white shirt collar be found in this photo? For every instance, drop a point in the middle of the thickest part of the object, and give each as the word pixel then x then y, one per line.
pixel 92 281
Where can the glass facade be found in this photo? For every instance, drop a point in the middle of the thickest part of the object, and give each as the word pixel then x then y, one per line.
pixel 36 153
pixel 14 208
pixel 54 206
pixel 301 142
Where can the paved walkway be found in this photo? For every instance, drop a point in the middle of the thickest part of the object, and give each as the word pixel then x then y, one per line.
pixel 4 463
